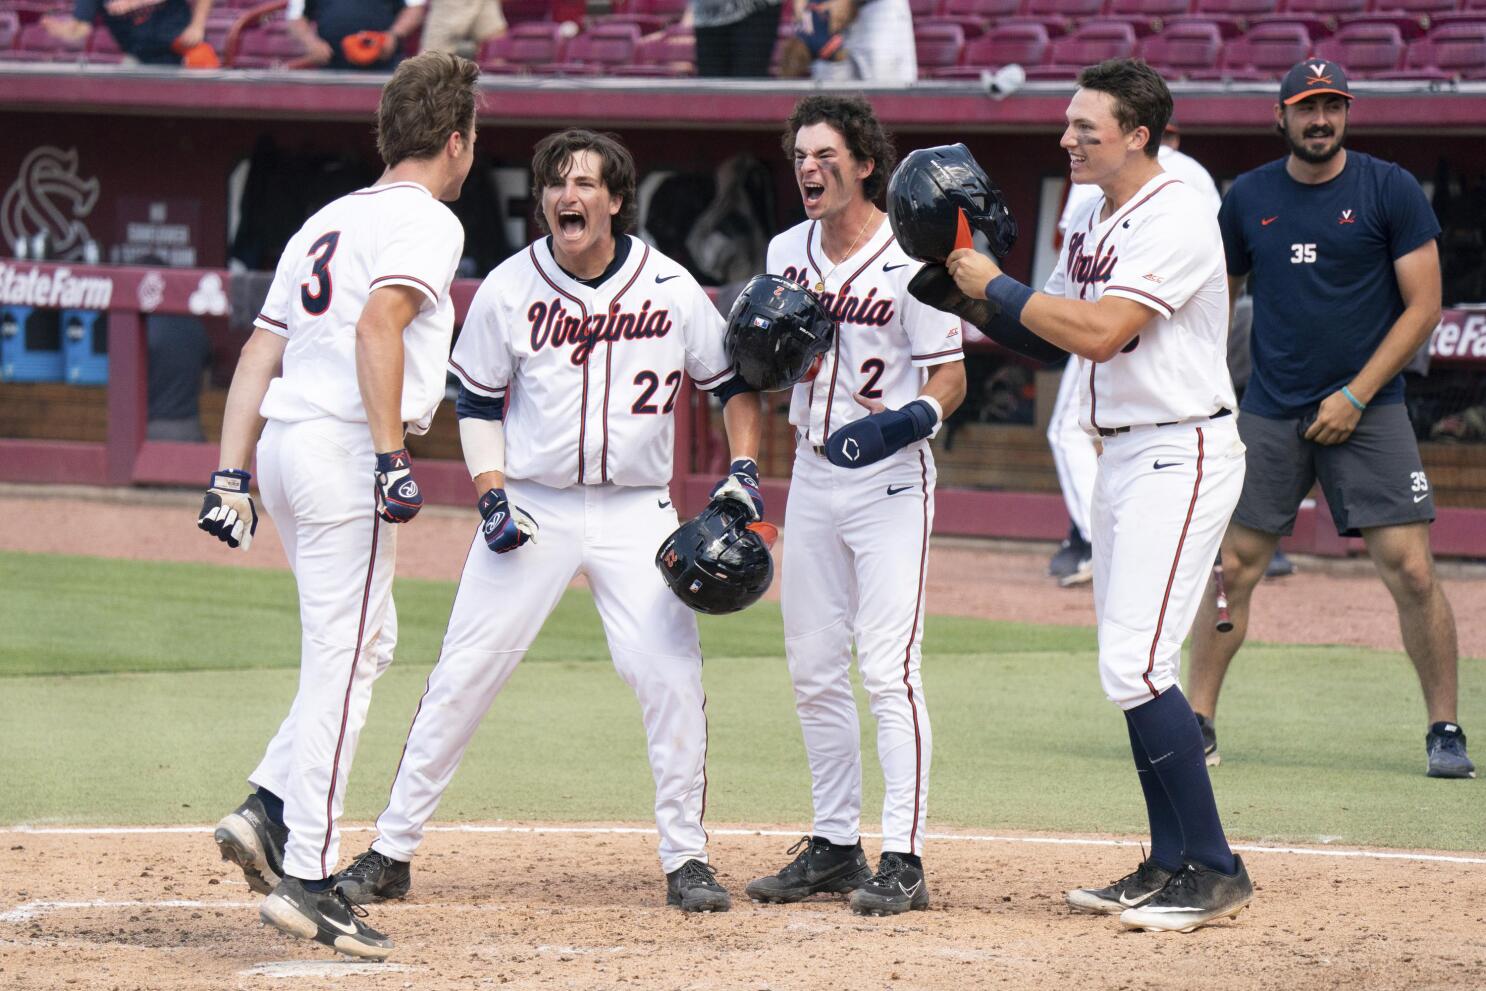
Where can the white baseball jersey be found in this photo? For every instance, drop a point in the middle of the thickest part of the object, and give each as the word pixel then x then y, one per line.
pixel 391 235
pixel 592 374
pixel 885 339
pixel 1162 249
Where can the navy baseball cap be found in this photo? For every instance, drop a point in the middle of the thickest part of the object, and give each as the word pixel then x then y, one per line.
pixel 1312 76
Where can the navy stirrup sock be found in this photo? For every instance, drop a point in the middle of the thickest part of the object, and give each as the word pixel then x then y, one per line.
pixel 1166 829
pixel 1173 744
pixel 273 805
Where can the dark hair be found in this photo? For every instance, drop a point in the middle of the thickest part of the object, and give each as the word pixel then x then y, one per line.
pixel 852 117
pixel 428 98
pixel 554 158
pixel 1141 98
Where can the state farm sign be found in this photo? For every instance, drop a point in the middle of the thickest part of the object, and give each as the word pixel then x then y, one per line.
pixel 1460 335
pixel 53 286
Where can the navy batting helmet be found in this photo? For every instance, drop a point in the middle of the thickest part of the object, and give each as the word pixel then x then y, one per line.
pixel 777 333
pixel 927 193
pixel 718 562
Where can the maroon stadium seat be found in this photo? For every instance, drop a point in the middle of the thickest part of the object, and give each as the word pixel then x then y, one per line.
pixel 975 16
pixel 671 54
pixel 1266 52
pixel 599 49
pixel 1233 17
pixel 1365 49
pixel 923 9
pixel 1147 16
pixel 1416 7
pixel 1025 44
pixel 1184 48
pixel 939 45
pixel 266 48
pixel 103 49
pixel 531 46
pixel 1451 51
pixel 1060 16
pixel 1091 42
pixel 36 44
pixel 522 11
pixel 10 26
pixel 1469 11
pixel 31 11
pixel 649 15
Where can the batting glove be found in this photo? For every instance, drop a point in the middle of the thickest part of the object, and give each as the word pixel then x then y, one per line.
pixel 506 527
pixel 815 31
pixel 868 440
pixel 742 486
pixel 227 512
pixel 398 495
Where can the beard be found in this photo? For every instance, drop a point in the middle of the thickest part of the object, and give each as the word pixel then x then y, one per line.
pixel 1301 151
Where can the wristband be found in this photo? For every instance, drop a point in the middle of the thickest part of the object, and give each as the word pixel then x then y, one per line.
pixel 1009 294
pixel 231 480
pixel 1357 404
pixel 933 404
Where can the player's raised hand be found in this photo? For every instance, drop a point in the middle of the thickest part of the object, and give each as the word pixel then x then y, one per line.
pixel 398 495
pixel 227 512
pixel 742 486
pixel 506 527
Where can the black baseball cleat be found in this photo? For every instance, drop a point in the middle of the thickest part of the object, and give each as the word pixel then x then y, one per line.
pixel 1073 550
pixel 693 887
pixel 325 917
pixel 1195 896
pixel 822 867
pixel 1209 731
pixel 374 877
pixel 896 887
pixel 1444 746
pixel 1130 891
pixel 252 841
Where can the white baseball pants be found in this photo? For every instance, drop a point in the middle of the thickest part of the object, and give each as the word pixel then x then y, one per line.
pixel 855 560
pixel 610 534
pixel 316 478
pixel 1161 505
pixel 1074 454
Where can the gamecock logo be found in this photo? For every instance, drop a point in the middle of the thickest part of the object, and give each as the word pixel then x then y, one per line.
pixel 49 196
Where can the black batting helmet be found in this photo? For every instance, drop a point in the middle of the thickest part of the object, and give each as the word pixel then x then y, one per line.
pixel 718 562
pixel 777 332
pixel 927 192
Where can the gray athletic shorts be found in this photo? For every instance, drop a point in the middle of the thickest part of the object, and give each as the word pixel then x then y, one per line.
pixel 1374 478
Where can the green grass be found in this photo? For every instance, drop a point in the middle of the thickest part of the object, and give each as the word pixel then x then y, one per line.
pixel 143 693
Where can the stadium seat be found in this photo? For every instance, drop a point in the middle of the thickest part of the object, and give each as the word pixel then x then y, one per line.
pixel 36 44
pixel 939 45
pixel 1184 48
pixel 1468 11
pixel 1266 52
pixel 1060 16
pixel 10 26
pixel 1365 49
pixel 1025 44
pixel 267 48
pixel 671 54
pixel 1233 17
pixel 1147 16
pixel 975 16
pixel 649 15
pixel 529 47
pixel 1449 52
pixel 31 11
pixel 923 10
pixel 523 11
pixel 597 50
pixel 1091 42
pixel 103 49
pixel 1416 7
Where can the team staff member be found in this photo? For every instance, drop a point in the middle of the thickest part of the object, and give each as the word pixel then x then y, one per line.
pixel 1139 297
pixel 591 331
pixel 347 353
pixel 354 34
pixel 154 32
pixel 858 530
pixel 1346 289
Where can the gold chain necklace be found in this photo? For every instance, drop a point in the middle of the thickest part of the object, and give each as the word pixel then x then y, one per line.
pixel 820 286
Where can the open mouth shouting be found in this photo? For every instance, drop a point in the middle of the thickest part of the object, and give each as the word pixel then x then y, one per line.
pixel 812 191
pixel 571 224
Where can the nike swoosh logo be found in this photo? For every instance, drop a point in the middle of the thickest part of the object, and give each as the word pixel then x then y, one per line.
pixel 349 930
pixel 664 504
pixel 1130 902
pixel 1266 221
pixel 659 280
pixel 895 489
pixel 1158 465
pixel 894 268
pixel 1421 497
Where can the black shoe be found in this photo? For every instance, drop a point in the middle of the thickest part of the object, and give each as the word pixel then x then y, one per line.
pixel 1130 891
pixel 373 877
pixel 325 917
pixel 248 838
pixel 1280 566
pixel 1445 745
pixel 896 887
pixel 1073 550
pixel 1209 732
pixel 693 887
pixel 822 867
pixel 1195 896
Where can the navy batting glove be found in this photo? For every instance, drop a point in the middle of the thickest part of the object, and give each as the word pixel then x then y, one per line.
pixel 872 438
pixel 398 495
pixel 506 527
pixel 815 31
pixel 742 485
pixel 227 512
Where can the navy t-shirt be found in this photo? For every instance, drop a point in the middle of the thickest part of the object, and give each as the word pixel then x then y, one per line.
pixel 335 19
pixel 145 33
pixel 1320 265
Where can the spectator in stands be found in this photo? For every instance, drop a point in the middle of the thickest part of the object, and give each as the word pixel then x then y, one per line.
pixel 159 32
pixel 462 26
pixel 863 40
pixel 734 37
pixel 354 34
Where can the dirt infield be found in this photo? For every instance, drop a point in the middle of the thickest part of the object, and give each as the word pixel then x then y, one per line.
pixel 571 910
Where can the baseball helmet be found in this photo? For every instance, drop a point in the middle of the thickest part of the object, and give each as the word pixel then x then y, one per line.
pixel 927 193
pixel 778 331
pixel 718 562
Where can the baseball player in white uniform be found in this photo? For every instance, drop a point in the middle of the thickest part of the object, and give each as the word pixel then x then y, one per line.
pixel 1074 453
pixel 570 363
pixel 348 352
pixel 860 511
pixel 1140 297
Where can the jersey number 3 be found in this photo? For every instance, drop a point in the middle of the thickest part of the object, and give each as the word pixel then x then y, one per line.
pixel 317 302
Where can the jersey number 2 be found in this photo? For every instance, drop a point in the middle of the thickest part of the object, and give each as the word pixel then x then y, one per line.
pixel 651 382
pixel 317 302
pixel 873 367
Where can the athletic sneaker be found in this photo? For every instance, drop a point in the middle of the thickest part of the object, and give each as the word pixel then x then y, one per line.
pixel 693 887
pixel 1195 896
pixel 373 877
pixel 1082 574
pixel 1209 740
pixel 1445 745
pixel 822 867
pixel 1135 888
pixel 1280 565
pixel 325 917
pixel 896 887
pixel 247 837
pixel 1070 552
